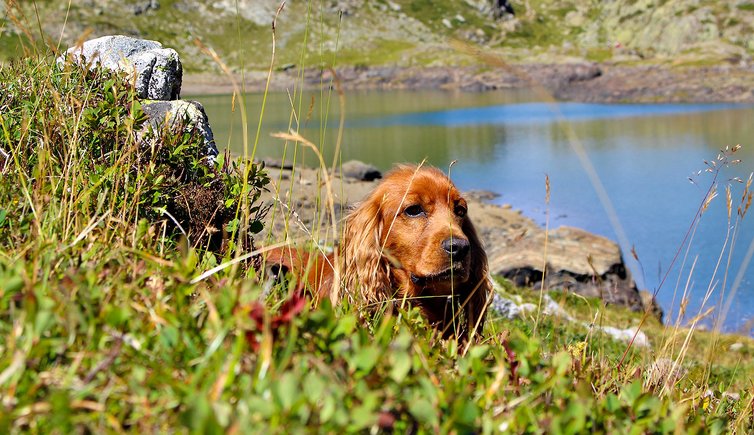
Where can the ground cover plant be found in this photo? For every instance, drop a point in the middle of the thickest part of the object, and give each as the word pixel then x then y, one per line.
pixel 107 322
pixel 105 328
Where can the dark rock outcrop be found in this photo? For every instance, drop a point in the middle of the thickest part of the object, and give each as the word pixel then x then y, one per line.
pixel 577 261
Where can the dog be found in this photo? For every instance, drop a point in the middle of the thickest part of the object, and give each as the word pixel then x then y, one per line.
pixel 410 241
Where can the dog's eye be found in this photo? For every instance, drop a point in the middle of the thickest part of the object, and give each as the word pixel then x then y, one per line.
pixel 460 211
pixel 414 210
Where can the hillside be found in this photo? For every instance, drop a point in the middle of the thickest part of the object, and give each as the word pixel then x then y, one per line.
pixel 404 33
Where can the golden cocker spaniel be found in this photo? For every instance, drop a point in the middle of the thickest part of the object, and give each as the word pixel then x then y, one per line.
pixel 411 240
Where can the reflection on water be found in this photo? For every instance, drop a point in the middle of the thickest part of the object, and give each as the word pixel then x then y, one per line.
pixel 506 142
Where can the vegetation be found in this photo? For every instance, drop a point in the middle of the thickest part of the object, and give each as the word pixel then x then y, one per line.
pixel 109 323
pixel 104 325
pixel 399 32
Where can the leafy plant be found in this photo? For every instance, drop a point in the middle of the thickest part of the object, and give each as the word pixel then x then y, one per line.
pixel 78 142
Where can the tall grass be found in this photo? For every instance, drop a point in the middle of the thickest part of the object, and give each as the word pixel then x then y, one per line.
pixel 108 324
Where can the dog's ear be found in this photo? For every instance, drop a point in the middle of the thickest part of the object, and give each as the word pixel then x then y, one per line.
pixel 478 288
pixel 367 273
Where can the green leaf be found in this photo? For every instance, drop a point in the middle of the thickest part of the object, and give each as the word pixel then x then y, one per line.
pixel 612 404
pixel 116 316
pixel 365 359
pixel 286 391
pixel 346 326
pixel 422 410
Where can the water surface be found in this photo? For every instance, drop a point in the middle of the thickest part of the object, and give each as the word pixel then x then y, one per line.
pixel 507 141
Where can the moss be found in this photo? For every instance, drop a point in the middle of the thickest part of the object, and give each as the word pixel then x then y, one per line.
pixel 16 46
pixel 381 52
pixel 599 54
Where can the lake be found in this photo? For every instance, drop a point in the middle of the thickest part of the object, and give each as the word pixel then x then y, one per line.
pixel 507 141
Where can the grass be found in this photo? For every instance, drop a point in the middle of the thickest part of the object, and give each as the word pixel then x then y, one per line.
pixel 104 330
pixel 106 325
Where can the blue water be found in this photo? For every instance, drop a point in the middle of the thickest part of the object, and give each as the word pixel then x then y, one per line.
pixel 538 113
pixel 643 154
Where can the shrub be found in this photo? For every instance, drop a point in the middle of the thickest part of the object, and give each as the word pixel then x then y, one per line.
pixel 73 141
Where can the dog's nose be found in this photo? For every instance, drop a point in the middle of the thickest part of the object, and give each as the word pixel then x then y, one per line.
pixel 456 247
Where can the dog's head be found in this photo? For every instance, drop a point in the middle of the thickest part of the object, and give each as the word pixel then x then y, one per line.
pixel 412 238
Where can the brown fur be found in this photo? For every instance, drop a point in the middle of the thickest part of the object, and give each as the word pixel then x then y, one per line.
pixel 395 249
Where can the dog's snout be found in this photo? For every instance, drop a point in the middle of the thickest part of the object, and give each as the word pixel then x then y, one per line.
pixel 456 247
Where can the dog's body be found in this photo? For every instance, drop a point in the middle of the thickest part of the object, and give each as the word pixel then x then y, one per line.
pixel 411 241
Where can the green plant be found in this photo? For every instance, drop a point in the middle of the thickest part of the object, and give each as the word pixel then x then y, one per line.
pixel 76 144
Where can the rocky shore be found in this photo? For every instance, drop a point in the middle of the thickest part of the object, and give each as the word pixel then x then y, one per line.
pixel 576 81
pixel 577 261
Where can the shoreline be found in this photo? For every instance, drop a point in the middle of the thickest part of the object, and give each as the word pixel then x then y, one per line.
pixel 578 81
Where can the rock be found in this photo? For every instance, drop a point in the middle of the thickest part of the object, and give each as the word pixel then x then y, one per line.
pixel 735 347
pixel 502 8
pixel 574 19
pixel 577 261
pixel 627 335
pixel 259 12
pixel 509 309
pixel 346 7
pixel 564 75
pixel 481 195
pixel 665 28
pixel 505 307
pixel 179 116
pixel 146 6
pixel 158 71
pixel 270 162
pixel 582 72
pixel 360 171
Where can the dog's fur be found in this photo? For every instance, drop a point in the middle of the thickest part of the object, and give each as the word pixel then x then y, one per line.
pixel 410 240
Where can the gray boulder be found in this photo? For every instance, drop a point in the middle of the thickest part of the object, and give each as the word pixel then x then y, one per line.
pixel 178 116
pixel 360 171
pixel 157 71
pixel 577 261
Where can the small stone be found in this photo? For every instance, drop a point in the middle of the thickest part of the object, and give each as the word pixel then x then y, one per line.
pixel 505 307
pixel 361 171
pixel 178 116
pixel 394 6
pixel 270 162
